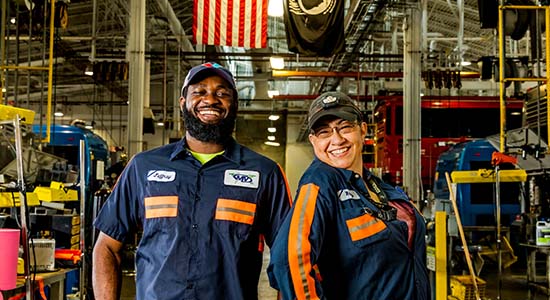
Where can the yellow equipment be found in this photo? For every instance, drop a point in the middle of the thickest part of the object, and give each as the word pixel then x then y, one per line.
pixel 488 176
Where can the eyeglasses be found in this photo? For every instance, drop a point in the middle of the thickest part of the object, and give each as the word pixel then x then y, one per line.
pixel 326 132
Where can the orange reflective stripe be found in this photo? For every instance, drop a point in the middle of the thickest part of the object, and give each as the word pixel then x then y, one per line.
pixel 161 212
pixel 159 200
pixel 235 210
pixel 364 226
pixel 286 184
pixel 299 248
pixel 161 206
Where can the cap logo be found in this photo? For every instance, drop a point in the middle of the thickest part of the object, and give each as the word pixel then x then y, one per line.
pixel 330 99
pixel 212 65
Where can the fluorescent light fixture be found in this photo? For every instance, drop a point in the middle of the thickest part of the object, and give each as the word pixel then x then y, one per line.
pixel 277 62
pixel 465 63
pixel 515 113
pixel 160 123
pixel 58 114
pixel 89 127
pixel 271 93
pixel 89 70
pixel 272 129
pixel 269 143
pixel 271 137
pixel 275 8
pixel 273 117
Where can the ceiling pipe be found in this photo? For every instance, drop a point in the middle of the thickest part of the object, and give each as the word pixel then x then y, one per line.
pixel 94 26
pixel 463 98
pixel 362 75
pixel 175 25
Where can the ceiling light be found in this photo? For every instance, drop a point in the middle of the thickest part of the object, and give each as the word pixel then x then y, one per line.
pixel 58 114
pixel 89 127
pixel 277 62
pixel 4 90
pixel 160 123
pixel 271 137
pixel 274 117
pixel 275 8
pixel 271 93
pixel 271 129
pixel 269 143
pixel 12 20
pixel 465 63
pixel 89 70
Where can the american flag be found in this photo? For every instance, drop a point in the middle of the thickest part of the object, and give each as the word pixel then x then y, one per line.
pixel 236 23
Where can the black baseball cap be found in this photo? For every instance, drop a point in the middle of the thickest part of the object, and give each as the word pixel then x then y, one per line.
pixel 335 104
pixel 200 72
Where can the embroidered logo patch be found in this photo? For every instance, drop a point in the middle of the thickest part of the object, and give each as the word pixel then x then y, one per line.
pixel 161 176
pixel 243 178
pixel 346 194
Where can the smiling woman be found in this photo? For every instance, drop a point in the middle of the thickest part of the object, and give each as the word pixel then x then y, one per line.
pixel 344 214
pixel 336 136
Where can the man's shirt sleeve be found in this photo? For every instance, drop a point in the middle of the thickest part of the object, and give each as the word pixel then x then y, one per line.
pixel 280 202
pixel 119 215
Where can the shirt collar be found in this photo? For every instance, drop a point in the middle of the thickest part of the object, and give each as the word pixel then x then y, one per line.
pixel 232 150
pixel 349 175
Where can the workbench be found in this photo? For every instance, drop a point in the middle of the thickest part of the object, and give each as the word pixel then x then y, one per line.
pixel 55 280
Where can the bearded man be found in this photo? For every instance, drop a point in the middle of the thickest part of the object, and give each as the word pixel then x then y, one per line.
pixel 204 205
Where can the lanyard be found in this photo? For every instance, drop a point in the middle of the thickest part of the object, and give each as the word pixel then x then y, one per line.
pixel 385 211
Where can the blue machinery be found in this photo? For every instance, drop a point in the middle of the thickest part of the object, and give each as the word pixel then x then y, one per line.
pixel 475 194
pixel 78 145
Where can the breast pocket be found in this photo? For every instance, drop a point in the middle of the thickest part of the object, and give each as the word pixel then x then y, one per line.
pixel 365 229
pixel 234 217
pixel 161 205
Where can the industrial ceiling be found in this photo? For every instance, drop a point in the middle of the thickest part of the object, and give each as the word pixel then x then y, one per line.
pixel 97 32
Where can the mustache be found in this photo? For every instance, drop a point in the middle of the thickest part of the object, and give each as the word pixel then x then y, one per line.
pixel 215 133
pixel 214 106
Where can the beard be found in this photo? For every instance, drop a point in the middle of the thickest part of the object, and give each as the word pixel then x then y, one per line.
pixel 218 133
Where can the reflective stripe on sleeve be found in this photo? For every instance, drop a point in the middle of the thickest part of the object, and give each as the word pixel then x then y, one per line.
pixel 235 210
pixel 299 248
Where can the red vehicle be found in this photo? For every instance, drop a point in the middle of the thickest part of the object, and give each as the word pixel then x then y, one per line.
pixel 445 120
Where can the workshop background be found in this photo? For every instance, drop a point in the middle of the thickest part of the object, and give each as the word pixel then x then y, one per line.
pixel 443 85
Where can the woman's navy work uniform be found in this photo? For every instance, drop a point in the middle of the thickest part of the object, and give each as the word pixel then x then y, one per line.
pixel 337 244
pixel 203 225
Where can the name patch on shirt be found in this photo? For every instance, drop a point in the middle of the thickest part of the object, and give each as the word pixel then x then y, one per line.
pixel 346 194
pixel 161 176
pixel 243 178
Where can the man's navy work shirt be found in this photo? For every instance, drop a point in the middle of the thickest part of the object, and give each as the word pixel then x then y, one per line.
pixel 203 225
pixel 333 246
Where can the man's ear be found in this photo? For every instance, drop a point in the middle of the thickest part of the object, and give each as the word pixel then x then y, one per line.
pixel 182 103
